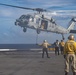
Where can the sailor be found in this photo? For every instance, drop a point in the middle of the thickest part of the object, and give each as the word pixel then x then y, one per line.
pixel 62 43
pixel 45 45
pixel 57 47
pixel 69 55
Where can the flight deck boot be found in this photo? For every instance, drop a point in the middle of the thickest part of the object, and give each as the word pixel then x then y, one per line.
pixel 66 73
pixel 74 73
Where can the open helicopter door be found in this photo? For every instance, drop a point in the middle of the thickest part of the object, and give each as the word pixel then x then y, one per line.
pixel 44 24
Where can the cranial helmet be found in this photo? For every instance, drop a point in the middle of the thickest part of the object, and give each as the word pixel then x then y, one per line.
pixel 44 40
pixel 71 37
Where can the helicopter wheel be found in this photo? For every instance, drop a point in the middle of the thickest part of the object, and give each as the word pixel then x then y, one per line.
pixel 38 31
pixel 24 29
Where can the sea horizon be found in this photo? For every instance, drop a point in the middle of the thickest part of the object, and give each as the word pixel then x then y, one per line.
pixel 19 46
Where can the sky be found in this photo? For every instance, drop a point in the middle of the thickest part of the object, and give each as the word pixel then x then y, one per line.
pixel 62 12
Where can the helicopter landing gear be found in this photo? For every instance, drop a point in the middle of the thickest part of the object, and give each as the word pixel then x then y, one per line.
pixel 38 31
pixel 63 37
pixel 24 29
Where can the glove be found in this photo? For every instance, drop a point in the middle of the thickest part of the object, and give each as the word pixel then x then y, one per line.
pixel 64 56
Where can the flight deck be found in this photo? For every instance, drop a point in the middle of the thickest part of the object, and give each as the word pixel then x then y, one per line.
pixel 29 62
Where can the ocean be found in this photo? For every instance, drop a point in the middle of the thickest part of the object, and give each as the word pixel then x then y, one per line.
pixel 20 46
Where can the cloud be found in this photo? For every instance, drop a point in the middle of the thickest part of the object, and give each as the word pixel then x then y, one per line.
pixel 62 13
pixel 48 3
pixel 5 12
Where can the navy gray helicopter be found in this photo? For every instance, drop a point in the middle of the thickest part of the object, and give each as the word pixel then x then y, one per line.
pixel 40 22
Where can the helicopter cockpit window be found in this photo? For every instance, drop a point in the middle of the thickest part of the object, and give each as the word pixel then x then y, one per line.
pixel 44 24
pixel 28 16
pixel 25 17
pixel 22 17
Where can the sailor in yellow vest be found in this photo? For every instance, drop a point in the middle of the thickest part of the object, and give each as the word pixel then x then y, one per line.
pixel 45 45
pixel 62 43
pixel 69 55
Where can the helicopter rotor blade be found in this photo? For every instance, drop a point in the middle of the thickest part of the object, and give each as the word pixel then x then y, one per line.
pixel 17 6
pixel 34 9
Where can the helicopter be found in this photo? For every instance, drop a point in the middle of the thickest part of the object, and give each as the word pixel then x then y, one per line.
pixel 40 22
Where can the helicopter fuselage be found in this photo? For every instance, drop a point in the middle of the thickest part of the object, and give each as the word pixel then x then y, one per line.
pixel 40 23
